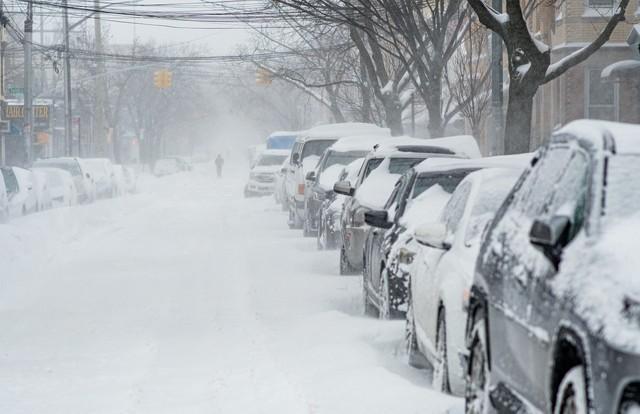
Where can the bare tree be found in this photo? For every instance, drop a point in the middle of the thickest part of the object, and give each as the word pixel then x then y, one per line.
pixel 529 63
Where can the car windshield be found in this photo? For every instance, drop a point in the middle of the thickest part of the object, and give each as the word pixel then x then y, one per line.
pixel 447 180
pixel 271 160
pixel 316 147
pixel 10 180
pixel 372 164
pixel 622 192
pixel 341 158
pixel 400 165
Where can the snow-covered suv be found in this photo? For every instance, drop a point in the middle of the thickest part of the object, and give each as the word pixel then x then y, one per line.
pixel 554 314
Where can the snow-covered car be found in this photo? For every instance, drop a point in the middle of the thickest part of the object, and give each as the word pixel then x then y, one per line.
pixel 262 177
pixel 329 230
pixel 554 311
pixel 306 153
pixel 101 171
pixel 443 273
pixel 21 191
pixel 280 192
pixel 384 291
pixel 381 170
pixel 4 202
pixel 82 179
pixel 41 185
pixel 319 182
pixel 62 188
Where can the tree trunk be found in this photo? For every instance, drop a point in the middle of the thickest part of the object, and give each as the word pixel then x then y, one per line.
pixel 434 107
pixel 393 114
pixel 518 121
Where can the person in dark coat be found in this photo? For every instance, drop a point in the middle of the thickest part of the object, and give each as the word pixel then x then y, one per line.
pixel 219 165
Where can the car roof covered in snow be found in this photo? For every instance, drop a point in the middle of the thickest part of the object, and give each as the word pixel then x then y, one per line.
pixel 346 129
pixel 518 161
pixel 462 145
pixel 617 137
pixel 358 143
pixel 286 134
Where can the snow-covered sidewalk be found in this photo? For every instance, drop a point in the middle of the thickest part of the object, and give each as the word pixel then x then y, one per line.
pixel 188 298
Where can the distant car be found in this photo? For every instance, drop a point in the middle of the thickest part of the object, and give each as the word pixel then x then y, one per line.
pixel 330 230
pixel 554 311
pixel 319 182
pixel 262 177
pixel 306 153
pixel 61 186
pixel 4 202
pixel 101 170
pixel 171 165
pixel 84 183
pixel 21 191
pixel 381 170
pixel 41 186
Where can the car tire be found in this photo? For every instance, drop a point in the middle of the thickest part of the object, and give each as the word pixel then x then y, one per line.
pixel 476 396
pixel 441 367
pixel 369 308
pixel 306 227
pixel 385 304
pixel 572 393
pixel 345 266
pixel 320 242
pixel 414 357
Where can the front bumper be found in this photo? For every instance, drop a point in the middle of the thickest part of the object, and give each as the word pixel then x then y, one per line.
pixel 255 187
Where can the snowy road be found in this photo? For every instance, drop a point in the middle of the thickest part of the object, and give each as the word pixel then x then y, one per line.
pixel 187 298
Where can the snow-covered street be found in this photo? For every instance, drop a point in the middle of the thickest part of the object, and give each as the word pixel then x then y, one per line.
pixel 189 298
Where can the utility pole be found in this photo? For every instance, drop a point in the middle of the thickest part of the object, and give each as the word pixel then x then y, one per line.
pixel 28 82
pixel 100 127
pixel 68 134
pixel 496 136
pixel 3 149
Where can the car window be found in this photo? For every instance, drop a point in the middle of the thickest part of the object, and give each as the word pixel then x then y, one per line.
pixel 448 180
pixel 400 165
pixel 538 187
pixel 454 209
pixel 372 164
pixel 570 195
pixel 316 147
pixel 10 180
pixel 332 158
pixel 271 160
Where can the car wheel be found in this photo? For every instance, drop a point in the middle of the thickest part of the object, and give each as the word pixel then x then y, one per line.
pixel 441 368
pixel 320 241
pixel 369 308
pixel 306 227
pixel 476 396
pixel 345 267
pixel 385 305
pixel 572 394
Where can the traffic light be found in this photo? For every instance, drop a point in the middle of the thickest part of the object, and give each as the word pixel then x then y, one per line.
pixel 162 79
pixel 264 77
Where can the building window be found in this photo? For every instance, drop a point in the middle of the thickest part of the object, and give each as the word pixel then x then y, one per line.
pixel 600 4
pixel 601 98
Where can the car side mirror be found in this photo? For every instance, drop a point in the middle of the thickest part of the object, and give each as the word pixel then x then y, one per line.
pixel 433 235
pixel 550 236
pixel 311 176
pixel 344 188
pixel 378 218
pixel 295 158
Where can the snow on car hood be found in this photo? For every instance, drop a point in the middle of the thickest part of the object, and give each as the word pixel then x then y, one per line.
pixel 329 177
pixel 600 276
pixel 376 189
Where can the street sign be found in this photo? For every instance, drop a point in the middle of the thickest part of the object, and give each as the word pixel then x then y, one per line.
pixel 15 90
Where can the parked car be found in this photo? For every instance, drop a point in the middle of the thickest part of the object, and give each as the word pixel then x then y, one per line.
pixel 61 186
pixel 21 191
pixel 305 155
pixel 85 186
pixel 262 177
pixel 330 230
pixel 280 192
pixel 319 182
pixel 101 170
pixel 41 185
pixel 381 170
pixel 4 202
pixel 385 292
pixel 554 311
pixel 441 278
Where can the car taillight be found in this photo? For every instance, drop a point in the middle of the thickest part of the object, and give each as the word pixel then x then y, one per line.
pixel 301 189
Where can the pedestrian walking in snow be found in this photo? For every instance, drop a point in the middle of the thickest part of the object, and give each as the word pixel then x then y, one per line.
pixel 219 165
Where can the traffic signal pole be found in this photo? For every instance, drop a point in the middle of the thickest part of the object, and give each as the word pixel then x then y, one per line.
pixel 68 135
pixel 28 82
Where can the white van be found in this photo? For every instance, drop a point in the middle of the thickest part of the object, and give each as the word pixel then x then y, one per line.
pixel 306 153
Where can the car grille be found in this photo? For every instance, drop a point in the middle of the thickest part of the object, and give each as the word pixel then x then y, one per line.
pixel 265 178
